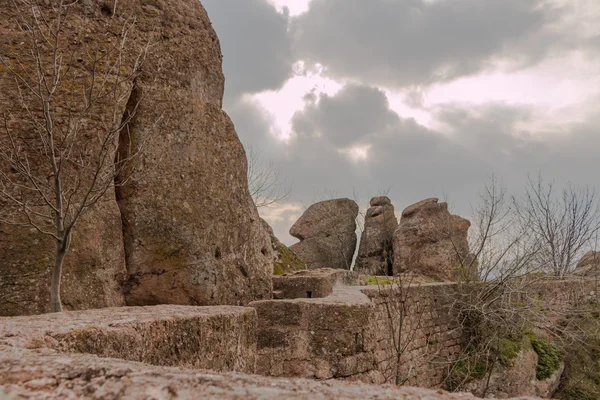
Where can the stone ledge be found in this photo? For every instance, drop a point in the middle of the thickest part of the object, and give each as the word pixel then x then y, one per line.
pixel 36 374
pixel 220 338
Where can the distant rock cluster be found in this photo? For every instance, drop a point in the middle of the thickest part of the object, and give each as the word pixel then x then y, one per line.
pixel 427 241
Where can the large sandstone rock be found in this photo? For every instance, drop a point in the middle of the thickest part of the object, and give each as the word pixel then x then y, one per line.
pixel 284 260
pixel 327 234
pixel 430 241
pixel 192 232
pixel 184 225
pixel 96 263
pixel 589 265
pixel 376 250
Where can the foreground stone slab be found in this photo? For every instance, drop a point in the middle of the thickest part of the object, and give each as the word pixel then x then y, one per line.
pixel 42 375
pixel 221 338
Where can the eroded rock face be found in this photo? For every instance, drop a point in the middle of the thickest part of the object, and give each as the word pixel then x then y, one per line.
pixel 284 260
pixel 327 234
pixel 192 232
pixel 430 241
pixel 95 266
pixel 376 250
pixel 589 265
pixel 184 224
pixel 518 379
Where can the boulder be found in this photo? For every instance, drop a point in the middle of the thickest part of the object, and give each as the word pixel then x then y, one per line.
pixel 376 253
pixel 183 229
pixel 589 265
pixel 327 233
pixel 432 242
pixel 284 260
pixel 518 378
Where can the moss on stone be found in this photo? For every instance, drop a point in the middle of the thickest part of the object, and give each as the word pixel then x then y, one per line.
pixel 508 352
pixel 287 261
pixel 549 357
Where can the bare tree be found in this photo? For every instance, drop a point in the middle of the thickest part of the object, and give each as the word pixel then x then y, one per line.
pixel 65 138
pixel 264 181
pixel 507 242
pixel 403 322
pixel 566 222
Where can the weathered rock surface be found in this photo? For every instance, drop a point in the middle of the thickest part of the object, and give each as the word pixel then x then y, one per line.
pixel 36 374
pixel 192 232
pixel 430 241
pixel 376 250
pixel 220 338
pixel 284 260
pixel 327 234
pixel 37 359
pixel 96 263
pixel 589 265
pixel 314 283
pixel 518 379
pixel 184 225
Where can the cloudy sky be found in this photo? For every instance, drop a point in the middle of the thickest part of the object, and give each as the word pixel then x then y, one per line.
pixel 421 98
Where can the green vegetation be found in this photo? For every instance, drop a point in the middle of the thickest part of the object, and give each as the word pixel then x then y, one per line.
pixel 375 280
pixel 287 262
pixel 581 380
pixel 508 352
pixel 549 357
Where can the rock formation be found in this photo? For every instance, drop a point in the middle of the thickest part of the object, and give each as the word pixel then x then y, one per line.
pixel 589 265
pixel 190 231
pixel 327 233
pixel 430 241
pixel 284 260
pixel 375 253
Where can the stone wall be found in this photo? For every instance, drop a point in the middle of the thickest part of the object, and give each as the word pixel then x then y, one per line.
pixel 348 334
pixel 221 338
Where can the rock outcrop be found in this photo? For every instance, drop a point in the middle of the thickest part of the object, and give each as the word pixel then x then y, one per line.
pixel 284 260
pixel 430 241
pixel 327 233
pixel 37 374
pixel 376 250
pixel 93 270
pixel 518 378
pixel 184 226
pixel 589 265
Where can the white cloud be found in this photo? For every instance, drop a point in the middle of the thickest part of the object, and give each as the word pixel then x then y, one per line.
pixel 295 7
pixel 283 103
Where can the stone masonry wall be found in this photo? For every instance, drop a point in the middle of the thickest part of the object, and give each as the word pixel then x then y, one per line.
pixel 220 338
pixel 348 334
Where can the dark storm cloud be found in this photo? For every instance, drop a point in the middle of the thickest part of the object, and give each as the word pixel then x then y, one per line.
pixel 255 44
pixel 415 162
pixel 356 111
pixel 412 42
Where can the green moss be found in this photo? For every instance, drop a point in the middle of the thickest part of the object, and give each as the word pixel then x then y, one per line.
pixel 288 261
pixel 508 352
pixel 375 280
pixel 549 359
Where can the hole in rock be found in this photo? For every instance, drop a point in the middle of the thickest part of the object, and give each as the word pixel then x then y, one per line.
pixel 106 11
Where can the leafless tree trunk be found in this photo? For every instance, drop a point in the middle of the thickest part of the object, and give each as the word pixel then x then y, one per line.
pixel 73 95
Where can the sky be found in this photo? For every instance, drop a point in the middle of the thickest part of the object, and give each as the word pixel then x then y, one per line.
pixel 412 98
